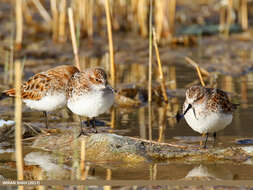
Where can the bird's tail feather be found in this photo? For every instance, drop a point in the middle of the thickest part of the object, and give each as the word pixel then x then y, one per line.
pixel 7 93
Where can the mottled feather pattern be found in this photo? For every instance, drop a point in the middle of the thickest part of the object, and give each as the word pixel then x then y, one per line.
pixel 219 101
pixel 215 100
pixel 82 81
pixel 45 83
pixel 77 85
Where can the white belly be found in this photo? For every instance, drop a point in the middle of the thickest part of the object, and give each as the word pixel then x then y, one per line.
pixel 208 123
pixel 47 103
pixel 91 104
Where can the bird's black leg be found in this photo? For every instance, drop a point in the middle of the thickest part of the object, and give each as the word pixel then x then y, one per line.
pixel 46 120
pixel 81 128
pixel 94 124
pixel 88 122
pixel 214 139
pixel 206 140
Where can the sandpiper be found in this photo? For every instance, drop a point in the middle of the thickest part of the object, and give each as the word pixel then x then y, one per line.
pixel 46 91
pixel 89 94
pixel 207 110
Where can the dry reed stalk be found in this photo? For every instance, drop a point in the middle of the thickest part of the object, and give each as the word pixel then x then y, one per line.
pixel 90 18
pixel 108 177
pixel 113 117
pixel 11 63
pixel 227 83
pixel 172 12
pixel 150 52
pixel 27 13
pixel 19 25
pixel 222 18
pixel 150 70
pixel 73 37
pixel 244 14
pixel 161 123
pixel 142 11
pixel 189 60
pixel 160 68
pixel 229 16
pixel 18 126
pixel 159 18
pixel 154 177
pixel 62 21
pixel 142 123
pixel 6 67
pixel 244 92
pixel 86 16
pixel 109 32
pixel 43 12
pixel 132 15
pixel 55 20
pixel 150 121
pixel 82 156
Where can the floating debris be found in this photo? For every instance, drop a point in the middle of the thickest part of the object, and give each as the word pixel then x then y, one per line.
pixel 6 123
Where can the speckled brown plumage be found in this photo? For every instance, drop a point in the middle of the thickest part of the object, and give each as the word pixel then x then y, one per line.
pixel 44 83
pixel 216 99
pixel 81 82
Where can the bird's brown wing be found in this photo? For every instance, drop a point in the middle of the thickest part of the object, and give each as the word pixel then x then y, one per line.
pixel 42 83
pixel 219 101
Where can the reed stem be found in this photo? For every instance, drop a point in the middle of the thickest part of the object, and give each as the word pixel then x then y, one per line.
pixel 109 32
pixel 82 164
pixel 189 60
pixel 18 121
pixel 19 25
pixel 73 37
pixel 150 52
pixel 43 12
pixel 172 12
pixel 160 68
pixel 108 177
pixel 54 11
pixel 229 17
pixel 244 16
pixel 62 21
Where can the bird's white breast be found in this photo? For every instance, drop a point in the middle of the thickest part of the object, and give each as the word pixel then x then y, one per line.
pixel 91 104
pixel 208 122
pixel 48 102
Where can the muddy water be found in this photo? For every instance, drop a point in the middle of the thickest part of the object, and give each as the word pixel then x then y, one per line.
pixel 134 122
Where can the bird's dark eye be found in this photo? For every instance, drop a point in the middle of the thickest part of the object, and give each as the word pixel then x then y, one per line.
pixel 97 80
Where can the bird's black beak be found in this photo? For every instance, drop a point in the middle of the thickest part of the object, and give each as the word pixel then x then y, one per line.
pixel 187 109
pixel 180 116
